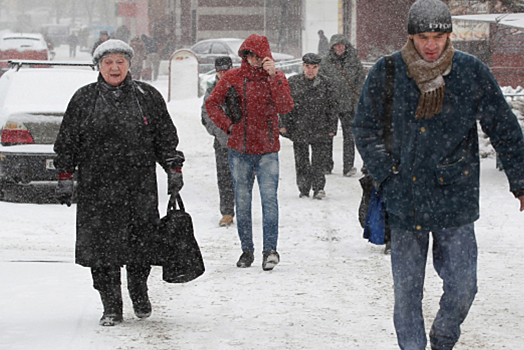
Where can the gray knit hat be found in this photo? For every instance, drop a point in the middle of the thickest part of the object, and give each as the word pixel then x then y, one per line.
pixel 429 16
pixel 111 46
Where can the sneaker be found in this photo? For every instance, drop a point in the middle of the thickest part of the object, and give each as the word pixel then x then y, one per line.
pixel 303 195
pixel 387 249
pixel 109 320
pixel 350 173
pixel 226 220
pixel 319 194
pixel 246 259
pixel 270 260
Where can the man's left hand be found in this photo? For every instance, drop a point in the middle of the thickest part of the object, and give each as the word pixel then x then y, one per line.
pixel 521 199
pixel 269 66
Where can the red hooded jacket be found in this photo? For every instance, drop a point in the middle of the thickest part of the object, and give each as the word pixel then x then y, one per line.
pixel 257 132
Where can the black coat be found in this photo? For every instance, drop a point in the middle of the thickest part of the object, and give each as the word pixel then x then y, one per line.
pixel 314 116
pixel 114 137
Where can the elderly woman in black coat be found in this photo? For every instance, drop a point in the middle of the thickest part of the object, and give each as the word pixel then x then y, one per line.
pixel 113 133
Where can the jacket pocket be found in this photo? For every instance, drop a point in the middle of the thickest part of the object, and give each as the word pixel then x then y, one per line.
pixel 447 174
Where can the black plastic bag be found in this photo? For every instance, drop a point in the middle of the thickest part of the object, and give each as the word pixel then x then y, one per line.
pixel 181 257
pixel 232 106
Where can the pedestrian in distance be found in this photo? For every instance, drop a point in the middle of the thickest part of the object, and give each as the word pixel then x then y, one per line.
pixel 263 93
pixel 311 124
pixel 137 63
pixel 225 183
pixel 72 41
pixel 430 177
pixel 345 72
pixel 104 36
pixel 323 43
pixel 113 133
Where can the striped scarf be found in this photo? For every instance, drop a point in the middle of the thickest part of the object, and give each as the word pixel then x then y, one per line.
pixel 429 78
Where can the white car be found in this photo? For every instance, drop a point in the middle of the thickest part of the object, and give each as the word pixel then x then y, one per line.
pixel 23 46
pixel 208 50
pixel 32 104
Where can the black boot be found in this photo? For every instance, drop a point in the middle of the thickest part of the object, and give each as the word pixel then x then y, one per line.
pixel 137 287
pixel 112 301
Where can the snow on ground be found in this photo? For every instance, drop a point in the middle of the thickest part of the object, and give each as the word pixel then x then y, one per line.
pixel 332 289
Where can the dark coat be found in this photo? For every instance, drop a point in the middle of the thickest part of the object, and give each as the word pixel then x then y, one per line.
pixel 430 180
pixel 213 130
pixel 323 45
pixel 314 116
pixel 257 131
pixel 115 137
pixel 333 65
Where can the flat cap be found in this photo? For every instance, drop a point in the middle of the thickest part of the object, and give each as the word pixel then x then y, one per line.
pixel 311 58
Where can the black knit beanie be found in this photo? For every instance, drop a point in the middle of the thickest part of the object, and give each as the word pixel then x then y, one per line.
pixel 429 16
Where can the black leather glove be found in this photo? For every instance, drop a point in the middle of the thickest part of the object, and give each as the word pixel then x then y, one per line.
pixel 64 191
pixel 175 181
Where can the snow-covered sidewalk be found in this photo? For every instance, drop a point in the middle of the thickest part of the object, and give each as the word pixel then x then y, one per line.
pixel 332 290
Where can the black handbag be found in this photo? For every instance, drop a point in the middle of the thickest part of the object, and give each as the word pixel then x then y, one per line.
pixel 181 257
pixel 232 106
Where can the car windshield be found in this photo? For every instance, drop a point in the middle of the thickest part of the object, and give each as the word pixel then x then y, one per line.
pixel 234 44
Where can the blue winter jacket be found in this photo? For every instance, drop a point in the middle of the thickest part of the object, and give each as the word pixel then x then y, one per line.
pixel 430 179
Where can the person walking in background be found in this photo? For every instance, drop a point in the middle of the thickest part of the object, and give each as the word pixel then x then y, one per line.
pixel 122 33
pixel 137 63
pixel 312 123
pixel 72 41
pixel 112 134
pixel 346 73
pixel 263 93
pixel 225 183
pixel 430 177
pixel 152 56
pixel 323 43
pixel 104 36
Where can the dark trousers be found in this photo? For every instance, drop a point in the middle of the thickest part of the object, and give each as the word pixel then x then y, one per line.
pixel 348 144
pixel 107 279
pixel 225 182
pixel 310 174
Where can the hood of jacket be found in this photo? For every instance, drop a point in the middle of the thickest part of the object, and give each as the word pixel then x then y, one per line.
pixel 339 39
pixel 257 44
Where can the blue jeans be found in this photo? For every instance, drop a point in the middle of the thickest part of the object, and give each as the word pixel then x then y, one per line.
pixel 455 260
pixel 244 167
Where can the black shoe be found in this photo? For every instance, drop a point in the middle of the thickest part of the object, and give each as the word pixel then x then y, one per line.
pixel 109 320
pixel 142 308
pixel 112 302
pixel 319 194
pixel 387 249
pixel 246 259
pixel 270 260
pixel 302 195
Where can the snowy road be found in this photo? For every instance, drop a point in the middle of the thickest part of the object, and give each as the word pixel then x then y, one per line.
pixel 332 290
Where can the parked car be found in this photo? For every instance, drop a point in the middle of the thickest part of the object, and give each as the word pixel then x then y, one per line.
pixel 208 50
pixel 22 46
pixel 32 105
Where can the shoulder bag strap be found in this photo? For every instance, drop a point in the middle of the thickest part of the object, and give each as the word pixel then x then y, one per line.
pixel 357 95
pixel 387 121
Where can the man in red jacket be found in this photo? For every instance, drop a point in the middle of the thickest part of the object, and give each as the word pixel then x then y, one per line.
pixel 263 93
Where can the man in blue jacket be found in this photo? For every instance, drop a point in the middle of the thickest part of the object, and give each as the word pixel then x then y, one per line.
pixel 429 176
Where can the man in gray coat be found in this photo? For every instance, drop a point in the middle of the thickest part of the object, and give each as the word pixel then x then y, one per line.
pixel 312 123
pixel 346 74
pixel 225 182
